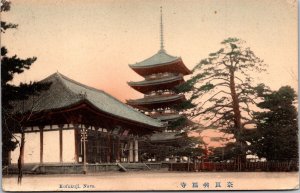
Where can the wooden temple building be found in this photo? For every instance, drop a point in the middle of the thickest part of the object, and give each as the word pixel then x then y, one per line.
pixel 69 116
pixel 162 73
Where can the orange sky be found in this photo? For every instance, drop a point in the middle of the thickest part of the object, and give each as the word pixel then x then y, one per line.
pixel 94 41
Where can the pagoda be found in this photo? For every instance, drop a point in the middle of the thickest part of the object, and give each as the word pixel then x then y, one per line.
pixel 162 73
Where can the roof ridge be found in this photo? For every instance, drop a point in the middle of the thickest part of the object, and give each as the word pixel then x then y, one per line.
pixel 98 90
pixel 80 84
pixel 60 76
pixel 165 52
pixel 156 54
pixel 88 87
pixel 48 77
pixel 158 64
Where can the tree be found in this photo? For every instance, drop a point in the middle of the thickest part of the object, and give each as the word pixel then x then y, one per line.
pixel 183 146
pixel 221 90
pixel 11 121
pixel 276 137
pixel 224 153
pixel 189 146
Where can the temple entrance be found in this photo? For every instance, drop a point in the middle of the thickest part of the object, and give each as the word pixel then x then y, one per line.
pixel 104 147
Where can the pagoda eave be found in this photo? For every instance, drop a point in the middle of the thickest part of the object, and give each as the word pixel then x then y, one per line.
pixel 148 86
pixel 166 138
pixel 156 102
pixel 176 66
pixel 168 117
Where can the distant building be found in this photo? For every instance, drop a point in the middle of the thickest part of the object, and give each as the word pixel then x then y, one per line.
pixel 59 118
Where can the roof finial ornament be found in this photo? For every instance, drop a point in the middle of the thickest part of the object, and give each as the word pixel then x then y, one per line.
pixel 161 31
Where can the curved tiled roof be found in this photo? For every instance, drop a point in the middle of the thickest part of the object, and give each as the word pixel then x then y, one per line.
pixel 64 92
pixel 169 117
pixel 152 100
pixel 165 136
pixel 157 81
pixel 161 57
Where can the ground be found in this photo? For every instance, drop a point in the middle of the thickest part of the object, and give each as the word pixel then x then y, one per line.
pixel 155 180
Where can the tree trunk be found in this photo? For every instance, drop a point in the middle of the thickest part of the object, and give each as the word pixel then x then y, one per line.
pixel 235 104
pixel 21 158
pixel 237 116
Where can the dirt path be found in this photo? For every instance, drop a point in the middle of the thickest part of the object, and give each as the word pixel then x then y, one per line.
pixel 155 181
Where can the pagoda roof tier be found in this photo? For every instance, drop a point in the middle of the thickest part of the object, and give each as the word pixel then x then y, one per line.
pixel 153 102
pixel 165 137
pixel 159 63
pixel 65 93
pixel 157 84
pixel 168 117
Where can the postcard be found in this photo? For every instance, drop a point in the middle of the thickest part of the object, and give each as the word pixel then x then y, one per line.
pixel 149 95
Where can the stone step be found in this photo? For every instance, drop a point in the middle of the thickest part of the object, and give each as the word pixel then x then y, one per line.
pixel 122 168
pixel 135 166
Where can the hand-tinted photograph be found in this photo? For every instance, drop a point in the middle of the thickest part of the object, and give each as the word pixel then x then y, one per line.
pixel 136 95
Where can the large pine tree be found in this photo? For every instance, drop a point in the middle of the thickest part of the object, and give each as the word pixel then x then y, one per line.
pixel 222 92
pixel 10 66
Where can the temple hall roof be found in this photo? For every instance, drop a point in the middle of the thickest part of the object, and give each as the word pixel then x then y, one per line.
pixel 65 92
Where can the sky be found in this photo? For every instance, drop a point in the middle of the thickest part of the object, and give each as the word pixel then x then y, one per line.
pixel 94 41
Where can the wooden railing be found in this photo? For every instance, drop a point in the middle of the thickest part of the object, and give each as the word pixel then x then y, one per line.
pixel 158 95
pixel 160 75
pixel 162 114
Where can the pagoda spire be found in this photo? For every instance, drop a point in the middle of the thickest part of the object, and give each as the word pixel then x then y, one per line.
pixel 161 31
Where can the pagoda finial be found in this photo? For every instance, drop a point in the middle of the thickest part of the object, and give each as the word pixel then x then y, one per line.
pixel 161 30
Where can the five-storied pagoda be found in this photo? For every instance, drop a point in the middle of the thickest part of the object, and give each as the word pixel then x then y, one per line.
pixel 162 73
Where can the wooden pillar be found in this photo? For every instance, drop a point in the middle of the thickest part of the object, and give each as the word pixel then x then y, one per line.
pixel 76 143
pixel 88 145
pixel 60 143
pixel 118 150
pixel 130 151
pixel 136 150
pixel 97 147
pixel 113 151
pixel 108 149
pixel 122 151
pixel 133 150
pixel 41 144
